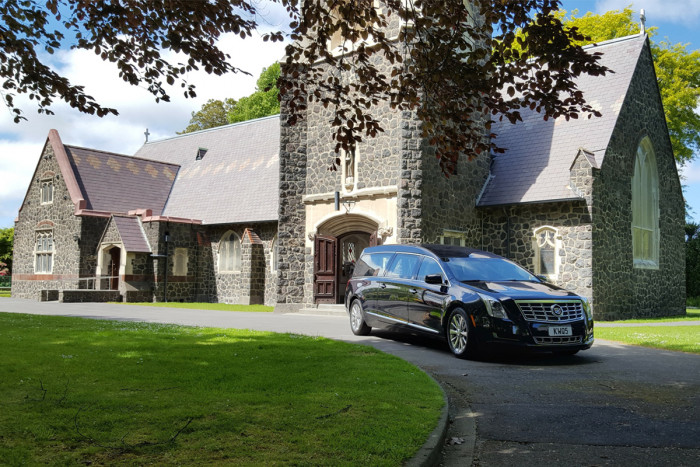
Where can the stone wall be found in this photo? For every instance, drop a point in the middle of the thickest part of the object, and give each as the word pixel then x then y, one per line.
pixel 450 203
pixel 56 217
pixel 620 289
pixel 510 231
pixel 89 296
pixel 292 215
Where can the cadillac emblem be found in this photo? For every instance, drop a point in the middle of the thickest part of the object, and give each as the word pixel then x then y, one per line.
pixel 557 310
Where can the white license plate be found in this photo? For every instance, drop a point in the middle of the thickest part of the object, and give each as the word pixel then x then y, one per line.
pixel 557 331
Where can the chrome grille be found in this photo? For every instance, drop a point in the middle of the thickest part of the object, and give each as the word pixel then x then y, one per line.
pixel 559 340
pixel 542 311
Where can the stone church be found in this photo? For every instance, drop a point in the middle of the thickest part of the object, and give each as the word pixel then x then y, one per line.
pixel 249 213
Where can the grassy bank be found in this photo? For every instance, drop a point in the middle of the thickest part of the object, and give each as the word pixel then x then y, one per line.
pixel 80 391
pixel 680 338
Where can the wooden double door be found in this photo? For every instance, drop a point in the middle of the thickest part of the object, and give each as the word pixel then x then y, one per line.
pixel 334 262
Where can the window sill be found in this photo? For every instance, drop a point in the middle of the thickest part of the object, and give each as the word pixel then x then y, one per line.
pixel 645 264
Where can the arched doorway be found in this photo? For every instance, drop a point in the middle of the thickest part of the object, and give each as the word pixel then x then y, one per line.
pixel 113 267
pixel 338 243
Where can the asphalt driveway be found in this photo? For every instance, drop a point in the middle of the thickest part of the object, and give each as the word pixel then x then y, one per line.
pixel 611 405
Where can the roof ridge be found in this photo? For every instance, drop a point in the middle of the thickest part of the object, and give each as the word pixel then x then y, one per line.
pixel 126 156
pixel 216 128
pixel 615 40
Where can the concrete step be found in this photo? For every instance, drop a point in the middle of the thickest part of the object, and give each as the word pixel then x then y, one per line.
pixel 324 309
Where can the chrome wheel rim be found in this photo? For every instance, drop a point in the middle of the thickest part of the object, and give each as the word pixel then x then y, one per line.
pixel 356 316
pixel 458 333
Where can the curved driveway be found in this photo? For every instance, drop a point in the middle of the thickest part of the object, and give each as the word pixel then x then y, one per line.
pixel 611 405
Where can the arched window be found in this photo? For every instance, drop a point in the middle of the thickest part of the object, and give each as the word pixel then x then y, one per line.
pixel 546 243
pixel 47 191
pixel 230 253
pixel 645 207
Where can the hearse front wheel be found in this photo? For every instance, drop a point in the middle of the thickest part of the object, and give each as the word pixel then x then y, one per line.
pixel 460 336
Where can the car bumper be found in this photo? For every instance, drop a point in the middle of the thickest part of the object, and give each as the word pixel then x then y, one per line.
pixel 536 336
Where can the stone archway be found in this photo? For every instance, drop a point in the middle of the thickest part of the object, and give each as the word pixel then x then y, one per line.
pixel 338 243
pixel 110 266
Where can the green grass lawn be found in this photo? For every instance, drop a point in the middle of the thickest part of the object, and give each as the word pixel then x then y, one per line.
pixel 682 338
pixel 5 294
pixel 206 306
pixel 78 391
pixel 692 314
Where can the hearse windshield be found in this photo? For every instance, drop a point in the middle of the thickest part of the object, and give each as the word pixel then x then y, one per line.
pixel 477 267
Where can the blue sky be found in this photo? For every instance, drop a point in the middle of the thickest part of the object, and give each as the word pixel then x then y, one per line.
pixel 21 144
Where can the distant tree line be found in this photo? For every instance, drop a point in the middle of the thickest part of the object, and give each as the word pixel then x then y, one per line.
pixel 692 260
pixel 262 103
pixel 7 237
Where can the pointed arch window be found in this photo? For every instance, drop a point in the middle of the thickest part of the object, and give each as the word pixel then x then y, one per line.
pixel 230 252
pixel 645 207
pixel 547 243
pixel 47 191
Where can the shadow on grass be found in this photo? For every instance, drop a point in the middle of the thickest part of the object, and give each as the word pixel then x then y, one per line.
pixel 77 390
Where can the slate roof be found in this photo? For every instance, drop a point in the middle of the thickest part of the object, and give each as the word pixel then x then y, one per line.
pixel 116 183
pixel 235 181
pixel 132 234
pixel 535 167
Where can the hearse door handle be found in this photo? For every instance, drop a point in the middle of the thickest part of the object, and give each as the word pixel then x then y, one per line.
pixel 383 286
pixel 413 290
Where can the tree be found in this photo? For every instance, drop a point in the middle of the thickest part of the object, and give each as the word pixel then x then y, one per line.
pixel 212 114
pixel 7 237
pixel 263 102
pixel 448 59
pixel 692 260
pixel 677 72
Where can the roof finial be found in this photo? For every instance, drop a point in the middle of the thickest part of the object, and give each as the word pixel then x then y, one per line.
pixel 146 133
pixel 642 20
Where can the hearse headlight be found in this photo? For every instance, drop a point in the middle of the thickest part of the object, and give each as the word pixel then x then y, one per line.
pixel 494 307
pixel 588 308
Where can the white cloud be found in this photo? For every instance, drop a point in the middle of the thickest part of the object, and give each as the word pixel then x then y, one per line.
pixel 676 11
pixel 21 144
pixel 690 173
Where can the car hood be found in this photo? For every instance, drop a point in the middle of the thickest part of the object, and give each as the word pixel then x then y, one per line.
pixel 522 290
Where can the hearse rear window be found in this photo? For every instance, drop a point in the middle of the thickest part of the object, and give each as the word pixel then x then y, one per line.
pixel 372 264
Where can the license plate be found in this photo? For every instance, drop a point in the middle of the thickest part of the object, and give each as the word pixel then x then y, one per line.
pixel 556 331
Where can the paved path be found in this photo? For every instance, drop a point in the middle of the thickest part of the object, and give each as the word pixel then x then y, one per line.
pixel 611 405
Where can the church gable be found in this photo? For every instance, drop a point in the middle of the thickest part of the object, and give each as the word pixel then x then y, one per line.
pixel 539 153
pixel 128 232
pixel 639 210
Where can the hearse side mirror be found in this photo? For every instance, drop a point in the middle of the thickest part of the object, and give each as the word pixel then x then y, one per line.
pixel 433 279
pixel 542 277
